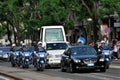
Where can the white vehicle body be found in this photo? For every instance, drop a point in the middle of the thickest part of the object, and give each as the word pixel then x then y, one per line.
pixel 55 50
pixel 53 35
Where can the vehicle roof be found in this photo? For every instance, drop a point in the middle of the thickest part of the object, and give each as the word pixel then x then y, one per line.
pixel 52 26
pixel 79 46
pixel 58 42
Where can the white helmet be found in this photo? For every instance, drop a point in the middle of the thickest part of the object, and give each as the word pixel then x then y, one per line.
pixel 23 44
pixel 39 42
pixel 13 45
pixel 102 41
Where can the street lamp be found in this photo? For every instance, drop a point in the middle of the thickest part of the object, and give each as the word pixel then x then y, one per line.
pixel 90 29
pixel 89 19
pixel 26 33
pixel 116 16
pixel 38 33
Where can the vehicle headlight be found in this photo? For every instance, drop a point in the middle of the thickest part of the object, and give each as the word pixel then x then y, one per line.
pixel 5 55
pixel 49 56
pixel 17 53
pixel 27 59
pixel 41 55
pixel 77 61
pixel 101 59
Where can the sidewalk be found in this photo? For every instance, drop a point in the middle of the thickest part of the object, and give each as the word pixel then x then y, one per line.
pixel 115 64
pixel 11 72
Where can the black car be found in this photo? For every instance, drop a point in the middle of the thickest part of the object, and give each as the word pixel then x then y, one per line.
pixel 82 57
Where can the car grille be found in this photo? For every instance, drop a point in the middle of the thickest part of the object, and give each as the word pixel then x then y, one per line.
pixel 57 56
pixel 88 61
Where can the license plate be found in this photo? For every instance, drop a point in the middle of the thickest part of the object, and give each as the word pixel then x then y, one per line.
pixel 90 64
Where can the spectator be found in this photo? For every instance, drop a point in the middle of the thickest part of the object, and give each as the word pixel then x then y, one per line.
pixel 96 47
pixel 115 51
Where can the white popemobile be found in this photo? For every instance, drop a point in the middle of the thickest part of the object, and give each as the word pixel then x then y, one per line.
pixel 53 39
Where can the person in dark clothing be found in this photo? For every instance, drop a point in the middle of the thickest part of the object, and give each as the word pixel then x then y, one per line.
pixel 96 47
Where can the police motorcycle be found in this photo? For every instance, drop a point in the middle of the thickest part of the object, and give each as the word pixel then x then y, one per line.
pixel 106 51
pixel 15 56
pixel 39 59
pixel 26 57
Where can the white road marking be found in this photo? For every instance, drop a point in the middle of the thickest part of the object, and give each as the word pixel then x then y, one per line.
pixel 94 76
pixel 110 76
pixel 4 78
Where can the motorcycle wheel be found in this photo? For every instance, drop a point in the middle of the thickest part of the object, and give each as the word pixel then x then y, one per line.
pixel 13 65
pixel 41 68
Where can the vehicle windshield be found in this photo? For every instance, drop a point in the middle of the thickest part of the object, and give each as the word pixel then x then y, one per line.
pixel 29 49
pixel 56 46
pixel 4 49
pixel 83 51
pixel 41 49
pixel 17 48
pixel 54 35
pixel 107 48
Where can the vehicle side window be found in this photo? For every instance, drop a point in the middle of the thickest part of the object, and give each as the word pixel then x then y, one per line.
pixel 67 52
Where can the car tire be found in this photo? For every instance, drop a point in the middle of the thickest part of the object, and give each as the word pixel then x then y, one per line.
pixel 62 67
pixel 38 69
pixel 108 65
pixel 70 69
pixel 13 65
pixel 103 70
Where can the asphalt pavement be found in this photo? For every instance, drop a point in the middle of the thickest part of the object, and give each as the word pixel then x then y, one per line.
pixel 18 73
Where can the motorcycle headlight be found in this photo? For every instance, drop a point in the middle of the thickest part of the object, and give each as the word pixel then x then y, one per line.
pixel 101 59
pixel 26 54
pixel 37 60
pixel 27 59
pixel 106 53
pixel 77 61
pixel 41 55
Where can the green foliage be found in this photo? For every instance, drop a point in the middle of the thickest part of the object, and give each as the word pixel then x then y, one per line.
pixel 32 14
pixel 108 7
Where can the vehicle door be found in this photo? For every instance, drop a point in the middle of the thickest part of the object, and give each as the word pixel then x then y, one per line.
pixel 66 57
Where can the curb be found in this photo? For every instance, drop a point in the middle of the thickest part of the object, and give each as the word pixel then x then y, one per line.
pixel 115 67
pixel 16 77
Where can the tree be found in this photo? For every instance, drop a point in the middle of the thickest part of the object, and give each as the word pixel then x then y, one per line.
pixel 97 9
pixel 22 15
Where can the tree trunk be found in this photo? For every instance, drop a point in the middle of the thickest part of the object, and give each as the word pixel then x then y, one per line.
pixel 95 30
pixel 9 34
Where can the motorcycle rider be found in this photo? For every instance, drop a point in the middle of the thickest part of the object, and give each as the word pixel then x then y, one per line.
pixel 12 50
pixel 39 45
pixel 102 45
pixel 23 48
pixel 13 47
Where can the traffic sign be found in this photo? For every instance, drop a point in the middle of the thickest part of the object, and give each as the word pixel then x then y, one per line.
pixel 82 40
pixel 107 30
